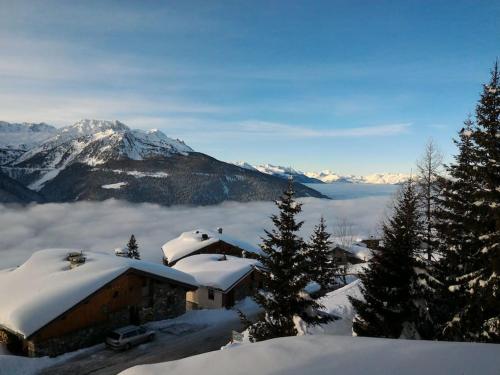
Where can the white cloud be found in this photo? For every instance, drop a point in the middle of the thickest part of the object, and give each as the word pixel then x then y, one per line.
pixel 277 129
pixel 107 225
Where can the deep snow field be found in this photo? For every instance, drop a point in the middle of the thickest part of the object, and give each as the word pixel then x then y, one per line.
pixel 326 354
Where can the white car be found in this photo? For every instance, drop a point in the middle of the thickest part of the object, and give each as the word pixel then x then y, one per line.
pixel 126 337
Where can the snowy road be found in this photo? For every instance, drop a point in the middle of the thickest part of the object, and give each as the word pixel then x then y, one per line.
pixel 173 341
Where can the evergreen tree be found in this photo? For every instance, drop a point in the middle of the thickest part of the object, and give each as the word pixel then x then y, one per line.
pixel 458 243
pixel 394 286
pixel 133 248
pixel 485 285
pixel 429 170
pixel 285 275
pixel 322 266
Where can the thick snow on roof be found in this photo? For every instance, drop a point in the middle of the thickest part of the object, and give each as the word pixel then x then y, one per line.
pixel 189 242
pixel 325 354
pixel 210 270
pixel 44 286
pixel 358 250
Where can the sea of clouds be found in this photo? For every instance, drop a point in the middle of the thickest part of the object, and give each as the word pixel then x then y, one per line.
pixel 108 225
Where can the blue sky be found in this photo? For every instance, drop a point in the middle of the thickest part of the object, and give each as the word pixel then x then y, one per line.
pixel 353 86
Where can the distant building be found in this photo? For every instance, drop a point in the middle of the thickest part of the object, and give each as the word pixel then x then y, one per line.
pixel 60 301
pixel 346 255
pixel 202 241
pixel 372 242
pixel 223 279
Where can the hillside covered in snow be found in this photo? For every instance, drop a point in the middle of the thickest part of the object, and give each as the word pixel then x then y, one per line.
pixel 16 139
pixel 98 160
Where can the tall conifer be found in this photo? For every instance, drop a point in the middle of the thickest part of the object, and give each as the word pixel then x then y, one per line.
pixel 393 287
pixel 485 285
pixel 320 256
pixel 285 275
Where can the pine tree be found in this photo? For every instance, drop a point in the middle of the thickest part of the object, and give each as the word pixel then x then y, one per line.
pixel 133 248
pixel 458 243
pixel 322 266
pixel 429 170
pixel 485 286
pixel 393 288
pixel 285 277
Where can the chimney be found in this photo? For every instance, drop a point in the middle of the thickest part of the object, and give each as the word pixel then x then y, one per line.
pixel 75 259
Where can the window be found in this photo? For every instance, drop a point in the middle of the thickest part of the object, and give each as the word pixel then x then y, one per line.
pixel 115 294
pixel 130 334
pixel 211 294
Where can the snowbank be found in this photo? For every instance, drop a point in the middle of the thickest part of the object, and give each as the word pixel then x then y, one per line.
pixel 45 287
pixel 210 270
pixel 319 355
pixel 337 303
pixel 189 242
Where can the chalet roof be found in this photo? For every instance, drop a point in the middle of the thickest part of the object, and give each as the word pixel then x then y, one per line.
pixel 45 287
pixel 192 241
pixel 357 250
pixel 209 270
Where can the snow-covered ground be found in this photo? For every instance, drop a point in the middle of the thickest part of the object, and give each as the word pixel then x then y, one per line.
pixel 18 365
pixel 194 327
pixel 325 354
pixel 118 185
pixel 337 303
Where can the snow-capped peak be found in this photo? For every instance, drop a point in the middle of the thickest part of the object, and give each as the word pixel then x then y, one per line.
pixel 326 176
pixel 245 165
pixel 95 142
pixel 90 127
pixel 24 135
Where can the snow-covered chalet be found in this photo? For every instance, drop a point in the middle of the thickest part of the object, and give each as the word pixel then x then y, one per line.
pixel 201 241
pixel 223 279
pixel 225 268
pixel 62 300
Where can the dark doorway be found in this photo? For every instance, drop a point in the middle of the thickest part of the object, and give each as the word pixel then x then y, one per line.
pixel 134 315
pixel 230 299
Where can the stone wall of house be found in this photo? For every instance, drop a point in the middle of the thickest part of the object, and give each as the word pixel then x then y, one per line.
pixel 78 339
pixel 11 341
pixel 168 301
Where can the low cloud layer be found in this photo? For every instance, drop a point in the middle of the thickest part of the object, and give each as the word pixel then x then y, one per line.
pixel 107 225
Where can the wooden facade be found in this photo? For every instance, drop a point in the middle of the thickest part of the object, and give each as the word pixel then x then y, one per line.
pixel 219 247
pixel 134 297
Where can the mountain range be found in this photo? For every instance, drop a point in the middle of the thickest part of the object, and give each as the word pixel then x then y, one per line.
pixel 97 160
pixel 325 176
